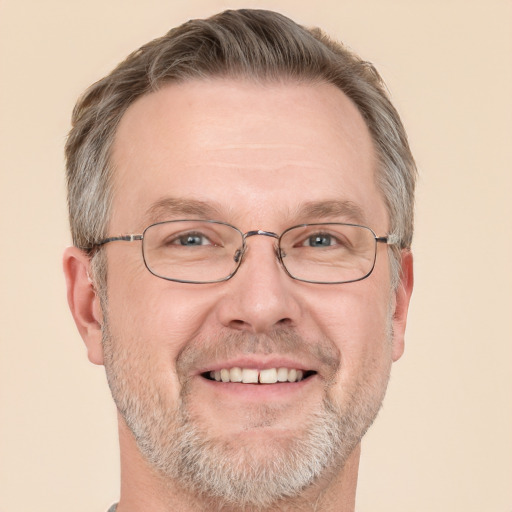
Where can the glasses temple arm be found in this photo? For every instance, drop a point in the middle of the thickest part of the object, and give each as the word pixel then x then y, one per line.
pixel 123 238
pixel 389 239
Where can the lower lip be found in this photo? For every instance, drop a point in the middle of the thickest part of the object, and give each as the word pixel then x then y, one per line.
pixel 258 391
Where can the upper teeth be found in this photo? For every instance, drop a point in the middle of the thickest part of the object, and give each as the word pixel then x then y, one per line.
pixel 252 376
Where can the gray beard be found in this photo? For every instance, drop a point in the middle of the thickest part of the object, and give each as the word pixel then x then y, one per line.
pixel 225 473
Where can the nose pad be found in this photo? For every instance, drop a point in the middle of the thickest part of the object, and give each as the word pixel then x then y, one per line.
pixel 241 251
pixel 239 254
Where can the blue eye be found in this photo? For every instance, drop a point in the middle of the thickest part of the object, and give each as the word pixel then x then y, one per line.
pixel 192 240
pixel 320 240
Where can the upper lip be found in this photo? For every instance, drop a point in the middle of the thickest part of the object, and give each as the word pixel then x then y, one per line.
pixel 259 362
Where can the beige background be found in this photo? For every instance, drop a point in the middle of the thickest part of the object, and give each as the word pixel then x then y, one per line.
pixel 443 441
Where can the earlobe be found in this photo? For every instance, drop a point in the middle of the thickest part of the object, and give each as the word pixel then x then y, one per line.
pixel 84 302
pixel 402 298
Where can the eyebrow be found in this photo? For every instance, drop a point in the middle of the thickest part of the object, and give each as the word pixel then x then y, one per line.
pixel 179 207
pixel 323 210
pixel 172 207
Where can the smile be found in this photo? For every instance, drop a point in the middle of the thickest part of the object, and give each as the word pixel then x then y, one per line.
pixel 254 376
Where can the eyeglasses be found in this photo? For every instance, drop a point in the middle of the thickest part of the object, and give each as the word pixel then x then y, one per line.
pixel 210 251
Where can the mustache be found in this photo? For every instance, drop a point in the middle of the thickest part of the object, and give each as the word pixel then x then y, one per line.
pixel 284 341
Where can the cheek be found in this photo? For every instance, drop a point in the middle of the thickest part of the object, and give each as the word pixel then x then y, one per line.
pixel 358 322
pixel 148 333
pixel 159 315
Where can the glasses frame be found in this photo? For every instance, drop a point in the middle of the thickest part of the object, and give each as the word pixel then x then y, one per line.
pixel 238 257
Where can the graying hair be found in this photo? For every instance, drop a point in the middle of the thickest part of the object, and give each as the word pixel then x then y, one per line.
pixel 244 44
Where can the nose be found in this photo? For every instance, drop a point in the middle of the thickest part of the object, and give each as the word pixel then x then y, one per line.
pixel 260 296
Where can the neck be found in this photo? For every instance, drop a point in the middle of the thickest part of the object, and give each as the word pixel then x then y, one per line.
pixel 142 488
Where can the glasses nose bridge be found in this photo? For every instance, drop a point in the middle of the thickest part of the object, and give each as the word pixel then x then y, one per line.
pixel 260 232
pixel 256 232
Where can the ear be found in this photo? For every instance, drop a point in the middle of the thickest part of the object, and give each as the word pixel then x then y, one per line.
pixel 84 302
pixel 402 298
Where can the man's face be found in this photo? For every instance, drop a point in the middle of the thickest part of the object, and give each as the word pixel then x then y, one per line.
pixel 257 157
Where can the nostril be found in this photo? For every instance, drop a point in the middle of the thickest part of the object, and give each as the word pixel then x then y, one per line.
pixel 238 325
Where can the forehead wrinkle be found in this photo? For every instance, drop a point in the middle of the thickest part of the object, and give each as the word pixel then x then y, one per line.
pixel 231 161
pixel 253 145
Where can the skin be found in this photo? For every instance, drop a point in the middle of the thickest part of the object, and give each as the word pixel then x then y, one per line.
pixel 256 154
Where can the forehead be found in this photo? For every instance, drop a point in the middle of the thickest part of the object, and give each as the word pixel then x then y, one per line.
pixel 253 152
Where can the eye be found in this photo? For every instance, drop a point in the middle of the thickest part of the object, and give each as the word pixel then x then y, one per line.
pixel 191 240
pixel 320 240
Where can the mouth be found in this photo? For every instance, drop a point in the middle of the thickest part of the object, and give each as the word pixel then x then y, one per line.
pixel 254 376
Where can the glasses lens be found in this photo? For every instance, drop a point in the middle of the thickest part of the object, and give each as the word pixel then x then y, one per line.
pixel 191 251
pixel 328 253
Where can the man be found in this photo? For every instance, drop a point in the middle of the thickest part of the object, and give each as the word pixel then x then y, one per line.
pixel 241 196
